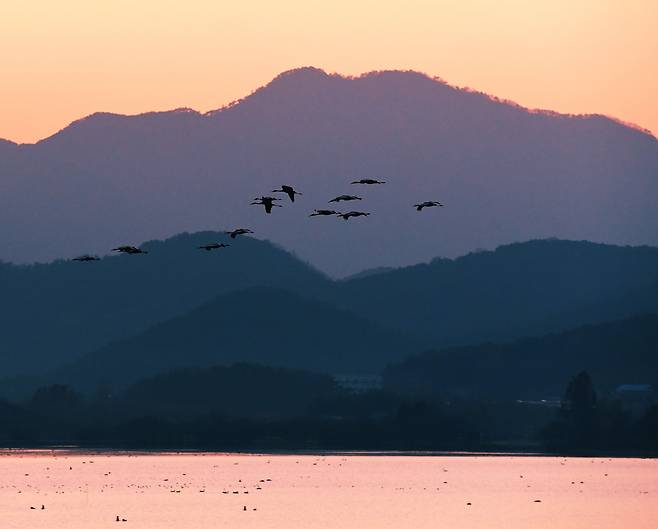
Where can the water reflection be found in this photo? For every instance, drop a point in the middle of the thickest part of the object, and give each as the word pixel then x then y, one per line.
pixel 46 489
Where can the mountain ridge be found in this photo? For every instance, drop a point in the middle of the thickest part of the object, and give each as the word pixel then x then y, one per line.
pixel 240 326
pixel 305 72
pixel 615 352
pixel 504 173
pixel 491 295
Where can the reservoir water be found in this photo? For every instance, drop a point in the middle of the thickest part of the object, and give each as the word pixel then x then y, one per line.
pixel 355 491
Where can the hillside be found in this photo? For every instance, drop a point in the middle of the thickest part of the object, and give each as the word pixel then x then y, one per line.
pixel 261 325
pixel 522 289
pixel 614 353
pixel 505 173
pixel 52 313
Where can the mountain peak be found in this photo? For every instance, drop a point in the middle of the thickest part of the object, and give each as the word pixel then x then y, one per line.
pixel 302 73
pixel 505 173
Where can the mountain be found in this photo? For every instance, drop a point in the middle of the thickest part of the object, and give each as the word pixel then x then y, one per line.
pixel 369 272
pixel 52 313
pixel 505 173
pixel 260 325
pixel 614 353
pixel 523 289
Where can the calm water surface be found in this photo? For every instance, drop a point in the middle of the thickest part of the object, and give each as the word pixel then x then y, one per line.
pixel 199 491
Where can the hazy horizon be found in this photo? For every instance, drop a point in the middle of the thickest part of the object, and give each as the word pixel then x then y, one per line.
pixel 365 74
pixel 596 57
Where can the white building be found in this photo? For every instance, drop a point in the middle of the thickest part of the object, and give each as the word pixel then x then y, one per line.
pixel 359 383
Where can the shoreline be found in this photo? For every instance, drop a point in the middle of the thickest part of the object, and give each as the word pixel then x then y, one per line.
pixel 85 450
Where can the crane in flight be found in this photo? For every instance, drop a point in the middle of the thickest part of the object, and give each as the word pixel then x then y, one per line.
pixel 323 212
pixel 368 181
pixel 213 246
pixel 427 204
pixel 288 190
pixel 240 231
pixel 268 202
pixel 341 198
pixel 350 214
pixel 130 250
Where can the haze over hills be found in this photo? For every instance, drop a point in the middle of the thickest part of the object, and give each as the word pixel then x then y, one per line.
pixel 522 289
pixel 505 174
pixel 613 353
pixel 177 306
pixel 260 325
pixel 52 313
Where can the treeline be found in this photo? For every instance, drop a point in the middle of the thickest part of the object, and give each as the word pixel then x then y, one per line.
pixel 587 423
pixel 246 407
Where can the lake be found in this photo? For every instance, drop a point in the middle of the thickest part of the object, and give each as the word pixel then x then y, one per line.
pixel 355 491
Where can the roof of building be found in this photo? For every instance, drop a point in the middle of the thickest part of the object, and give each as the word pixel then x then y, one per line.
pixel 634 387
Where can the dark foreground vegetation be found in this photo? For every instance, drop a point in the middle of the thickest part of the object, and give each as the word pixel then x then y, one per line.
pixel 246 407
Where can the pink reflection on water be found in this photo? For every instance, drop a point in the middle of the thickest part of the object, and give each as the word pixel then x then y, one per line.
pixel 186 491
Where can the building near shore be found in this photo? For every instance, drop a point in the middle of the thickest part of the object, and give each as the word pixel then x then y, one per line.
pixel 359 383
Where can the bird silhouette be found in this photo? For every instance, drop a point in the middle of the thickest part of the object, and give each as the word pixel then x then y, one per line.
pixel 86 257
pixel 288 190
pixel 129 250
pixel 213 246
pixel 321 212
pixel 340 198
pixel 351 214
pixel 268 202
pixel 368 181
pixel 428 204
pixel 240 231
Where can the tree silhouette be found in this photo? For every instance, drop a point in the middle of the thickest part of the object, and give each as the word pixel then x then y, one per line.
pixel 580 396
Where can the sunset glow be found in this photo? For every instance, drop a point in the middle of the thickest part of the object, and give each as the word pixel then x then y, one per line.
pixel 64 60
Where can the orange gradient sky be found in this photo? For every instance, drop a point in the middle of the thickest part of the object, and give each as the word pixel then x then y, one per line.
pixel 63 59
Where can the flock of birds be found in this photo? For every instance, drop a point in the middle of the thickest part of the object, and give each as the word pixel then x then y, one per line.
pixel 268 202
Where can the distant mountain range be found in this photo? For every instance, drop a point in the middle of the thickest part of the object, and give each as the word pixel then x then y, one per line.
pixel 52 313
pixel 262 326
pixel 506 174
pixel 523 289
pixel 613 353
pixel 127 317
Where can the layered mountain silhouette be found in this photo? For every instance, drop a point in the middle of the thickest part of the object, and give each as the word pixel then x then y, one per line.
pixel 517 290
pixel 127 317
pixel 52 313
pixel 614 353
pixel 505 174
pixel 260 325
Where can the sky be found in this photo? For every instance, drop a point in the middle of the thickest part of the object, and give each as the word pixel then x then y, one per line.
pixel 62 60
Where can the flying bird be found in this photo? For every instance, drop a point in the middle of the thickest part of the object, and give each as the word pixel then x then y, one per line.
pixel 268 202
pixel 86 257
pixel 321 212
pixel 428 204
pixel 351 214
pixel 340 198
pixel 240 231
pixel 368 181
pixel 129 250
pixel 288 190
pixel 213 246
